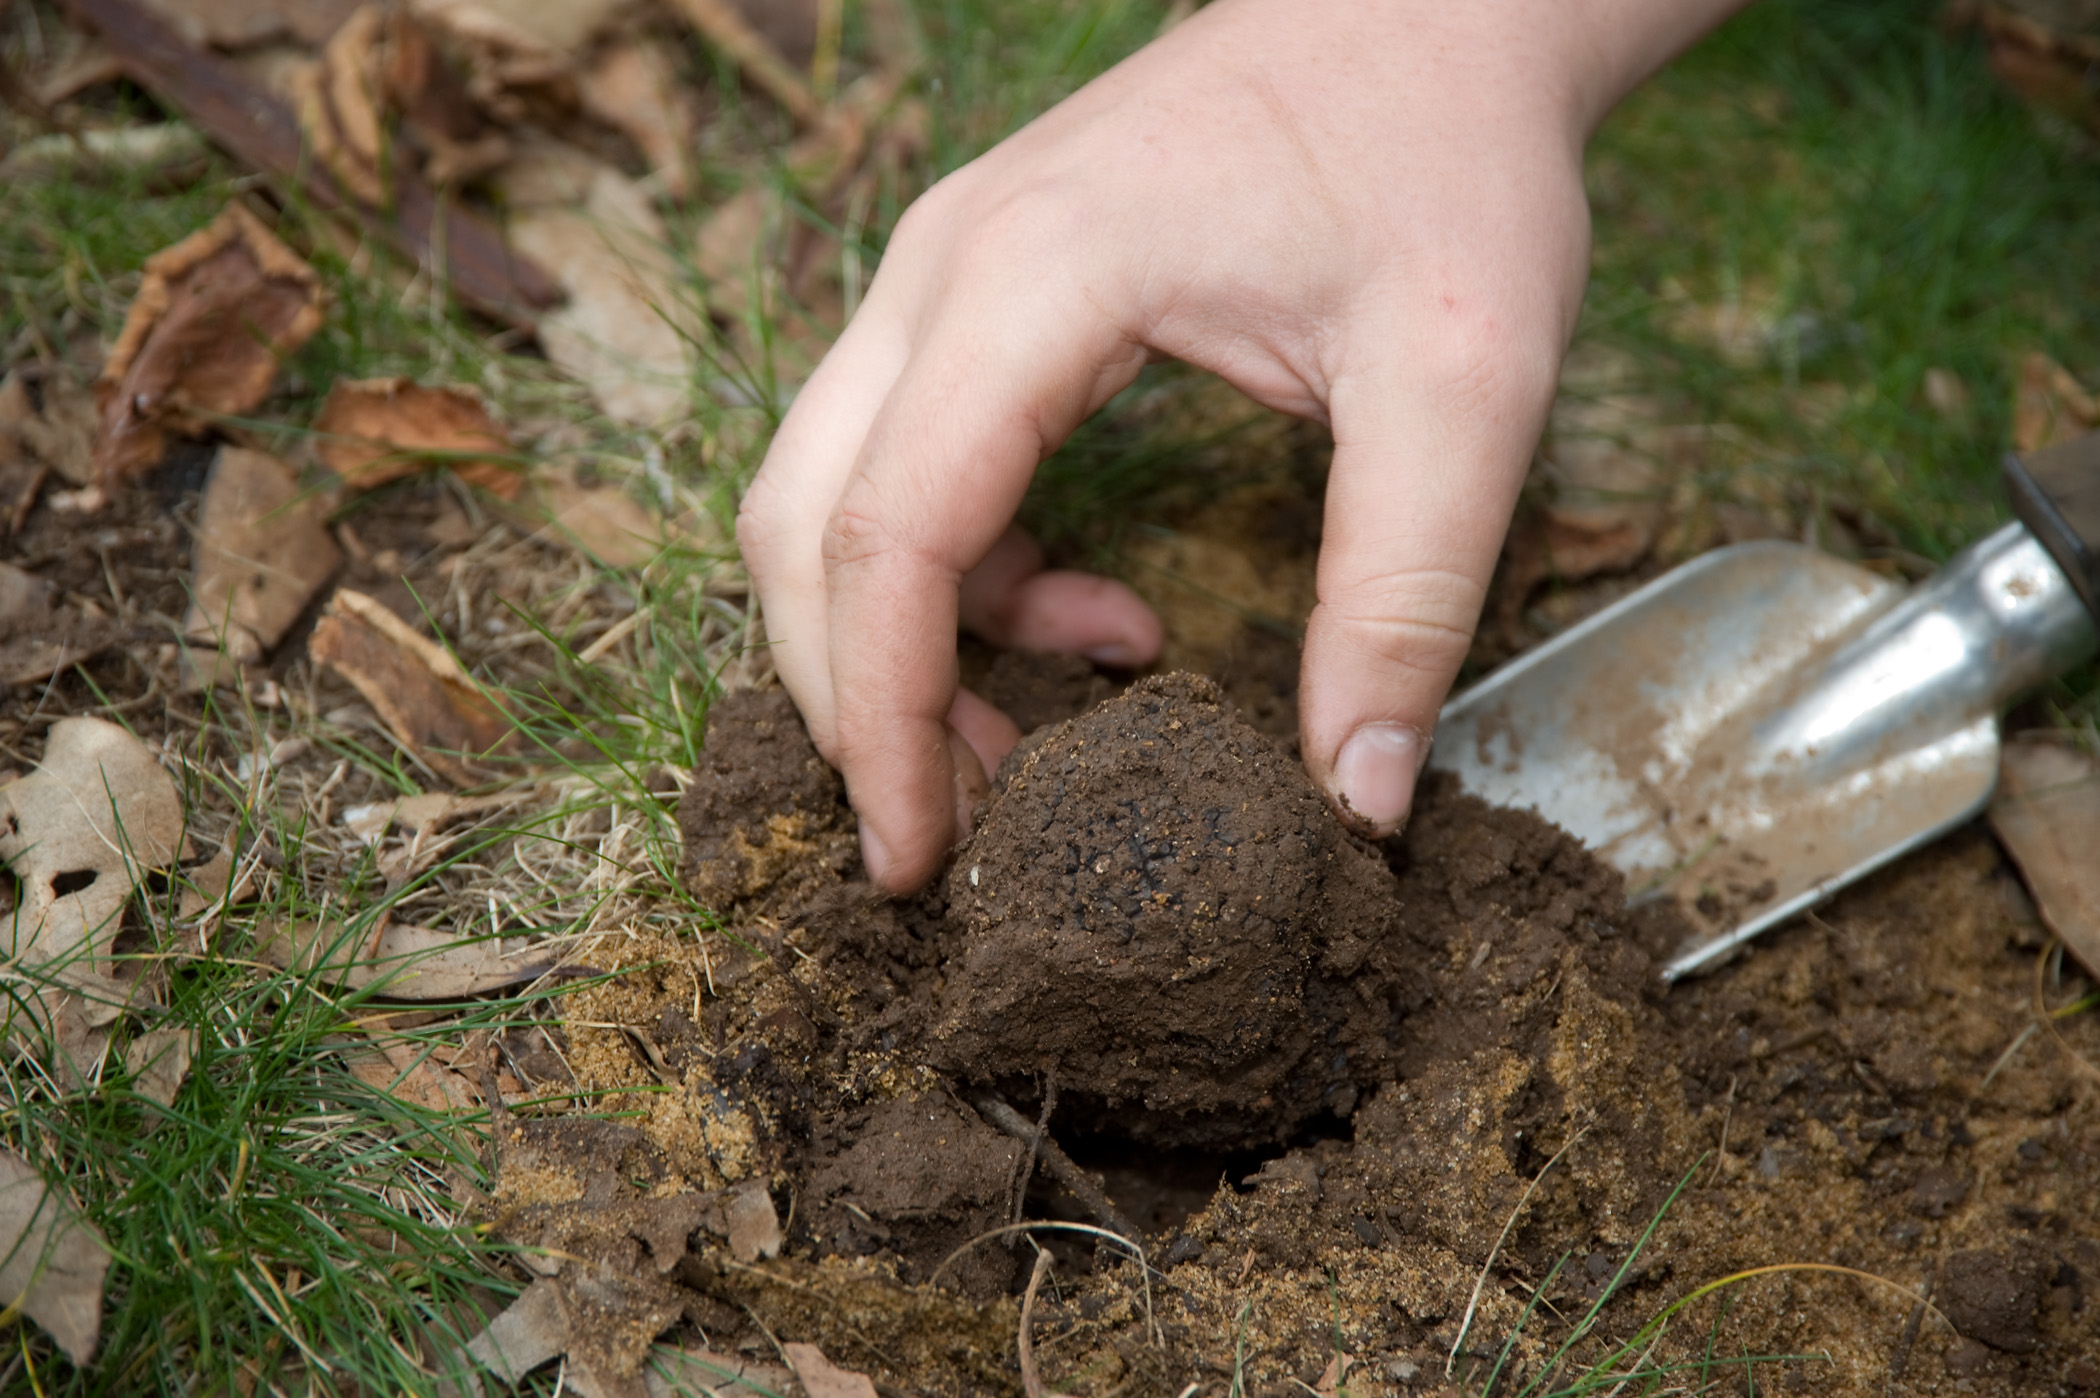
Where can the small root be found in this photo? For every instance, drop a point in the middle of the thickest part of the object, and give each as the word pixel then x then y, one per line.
pixel 1062 1167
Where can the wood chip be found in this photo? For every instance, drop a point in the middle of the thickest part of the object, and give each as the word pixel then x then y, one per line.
pixel 52 1261
pixel 372 431
pixel 419 691
pixel 2047 815
pixel 263 552
pixel 213 317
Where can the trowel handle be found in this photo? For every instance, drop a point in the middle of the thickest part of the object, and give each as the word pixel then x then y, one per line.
pixel 2056 494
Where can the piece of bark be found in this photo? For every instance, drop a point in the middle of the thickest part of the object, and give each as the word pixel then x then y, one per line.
pixel 240 113
pixel 2047 815
pixel 214 315
pixel 371 431
pixel 418 690
pixel 263 551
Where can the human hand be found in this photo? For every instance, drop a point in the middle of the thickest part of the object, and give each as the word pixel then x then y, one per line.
pixel 1370 214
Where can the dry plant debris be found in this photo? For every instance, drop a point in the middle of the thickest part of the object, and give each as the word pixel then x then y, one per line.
pixel 79 833
pixel 602 520
pixel 40 634
pixel 52 1260
pixel 2047 815
pixel 157 1062
pixel 372 431
pixel 215 315
pixel 405 962
pixel 263 552
pixel 2050 406
pixel 823 1379
pixel 427 701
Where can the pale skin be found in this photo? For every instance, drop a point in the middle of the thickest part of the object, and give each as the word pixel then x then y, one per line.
pixel 1369 213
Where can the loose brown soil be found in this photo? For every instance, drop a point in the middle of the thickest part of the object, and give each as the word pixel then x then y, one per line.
pixel 1329 1076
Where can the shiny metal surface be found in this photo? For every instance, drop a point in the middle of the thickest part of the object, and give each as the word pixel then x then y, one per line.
pixel 1766 724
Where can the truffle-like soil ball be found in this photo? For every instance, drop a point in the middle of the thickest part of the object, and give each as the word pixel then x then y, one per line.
pixel 1142 913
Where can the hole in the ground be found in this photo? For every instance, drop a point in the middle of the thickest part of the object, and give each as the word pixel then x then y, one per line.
pixel 1159 1187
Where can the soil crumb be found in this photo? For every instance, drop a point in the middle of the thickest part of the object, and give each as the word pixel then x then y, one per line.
pixel 1404 1114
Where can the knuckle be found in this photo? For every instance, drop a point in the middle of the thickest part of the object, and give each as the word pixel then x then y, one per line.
pixel 855 535
pixel 1415 619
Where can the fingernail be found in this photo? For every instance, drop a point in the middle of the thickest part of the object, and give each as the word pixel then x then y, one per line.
pixel 875 854
pixel 1114 654
pixel 1374 776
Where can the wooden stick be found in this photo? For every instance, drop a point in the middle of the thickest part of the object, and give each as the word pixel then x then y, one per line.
pixel 1061 1166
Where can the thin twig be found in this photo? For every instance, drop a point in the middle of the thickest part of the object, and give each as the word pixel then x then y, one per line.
pixel 1061 1166
pixel 1027 1168
pixel 1136 1249
pixel 1031 1381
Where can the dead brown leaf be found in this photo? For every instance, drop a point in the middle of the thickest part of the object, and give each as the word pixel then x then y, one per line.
pixel 723 25
pixel 419 691
pixel 402 962
pixel 59 434
pixel 618 335
pixel 598 518
pixel 158 1060
pixel 372 431
pixel 2047 815
pixel 2048 64
pixel 79 833
pixel 630 87
pixel 213 317
pixel 40 634
pixel 263 551
pixel 52 1260
pixel 456 141
pixel 754 1225
pixel 2050 406
pixel 238 24
pixel 824 1379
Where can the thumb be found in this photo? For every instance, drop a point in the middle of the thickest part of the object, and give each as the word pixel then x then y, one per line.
pixel 1418 501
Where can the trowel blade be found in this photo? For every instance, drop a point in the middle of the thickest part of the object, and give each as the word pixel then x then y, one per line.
pixel 1626 732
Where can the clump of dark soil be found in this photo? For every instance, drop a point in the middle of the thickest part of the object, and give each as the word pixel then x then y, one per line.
pixel 1406 1105
pixel 1144 915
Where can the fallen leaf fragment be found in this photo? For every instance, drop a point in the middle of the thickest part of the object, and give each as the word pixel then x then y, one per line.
pixel 403 962
pixel 39 634
pixel 723 25
pixel 703 1371
pixel 263 551
pixel 630 87
pixel 604 1322
pixel 597 518
pixel 2048 66
pixel 132 149
pixel 372 431
pixel 824 1379
pixel 79 833
pixel 754 1225
pixel 235 24
pixel 59 435
pixel 619 333
pixel 2050 407
pixel 456 141
pixel 2047 815
pixel 52 1260
pixel 212 319
pixel 531 1330
pixel 158 1060
pixel 339 104
pixel 419 691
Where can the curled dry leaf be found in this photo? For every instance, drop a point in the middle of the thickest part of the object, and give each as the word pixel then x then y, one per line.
pixel 418 690
pixel 456 141
pixel 79 832
pixel 2047 815
pixel 619 333
pixel 339 101
pixel 2050 407
pixel 213 317
pixel 263 551
pixel 402 962
pixel 40 634
pixel 630 87
pixel 372 431
pixel 823 1379
pixel 52 1260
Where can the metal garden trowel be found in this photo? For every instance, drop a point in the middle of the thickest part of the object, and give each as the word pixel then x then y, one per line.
pixel 1759 728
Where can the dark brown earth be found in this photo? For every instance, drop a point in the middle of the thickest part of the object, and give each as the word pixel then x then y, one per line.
pixel 1330 1103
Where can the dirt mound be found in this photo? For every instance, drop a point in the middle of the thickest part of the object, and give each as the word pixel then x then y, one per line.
pixel 1140 917
pixel 1343 1101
